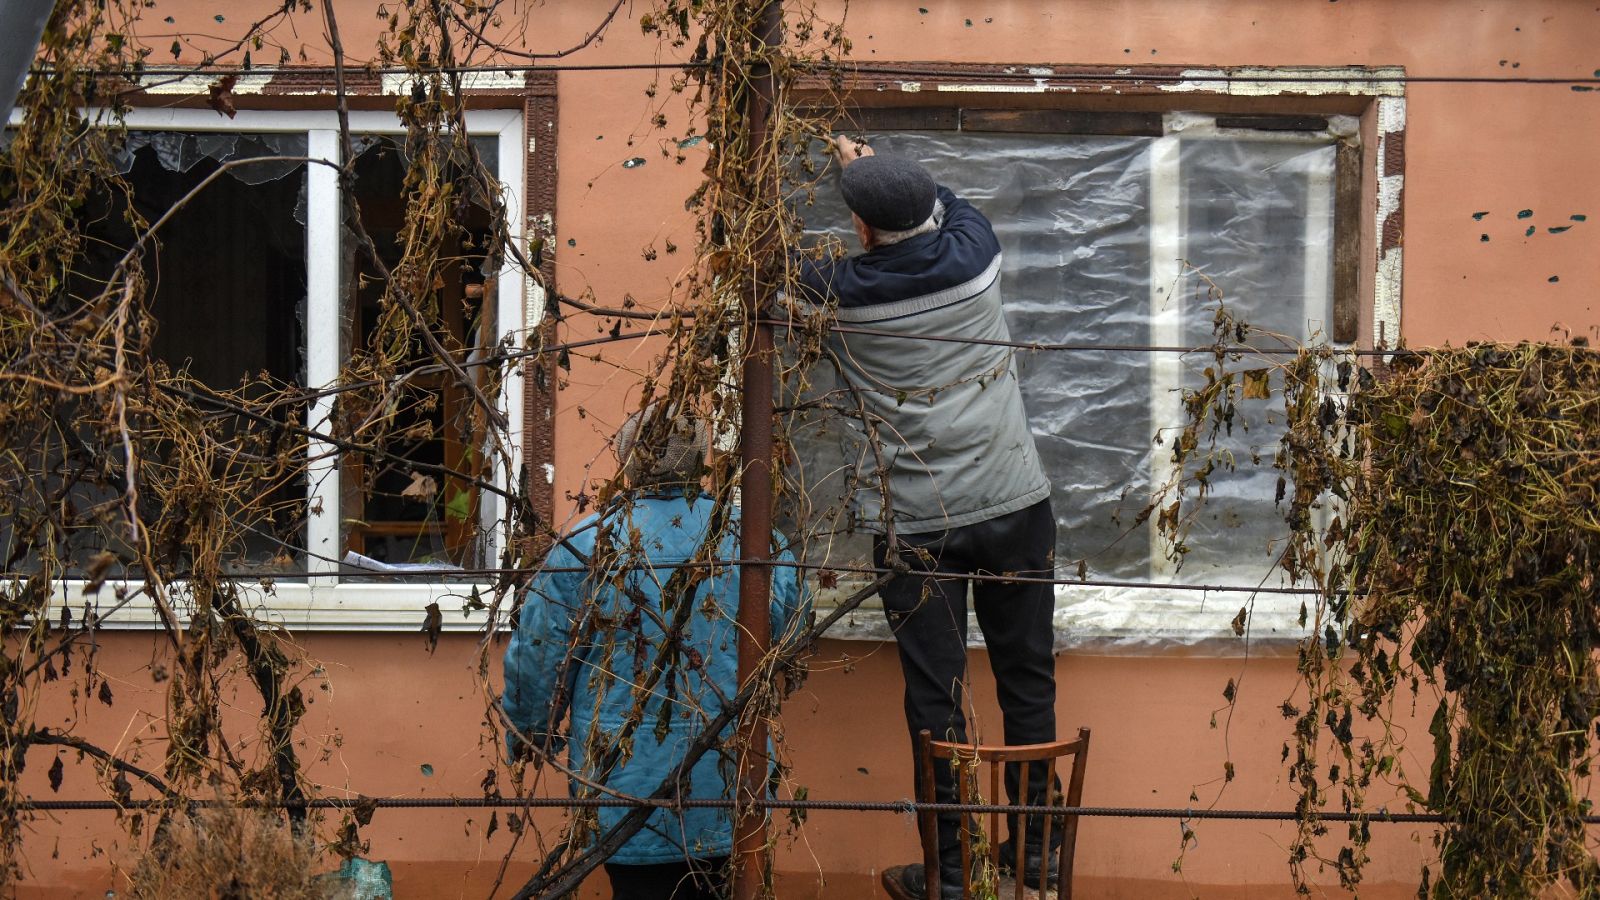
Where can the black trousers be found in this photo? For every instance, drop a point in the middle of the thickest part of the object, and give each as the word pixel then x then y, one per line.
pixel 695 879
pixel 928 615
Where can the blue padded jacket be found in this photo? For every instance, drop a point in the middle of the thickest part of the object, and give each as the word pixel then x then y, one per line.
pixel 611 656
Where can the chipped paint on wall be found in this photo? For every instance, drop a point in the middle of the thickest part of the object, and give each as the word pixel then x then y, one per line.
pixel 400 82
pixel 157 82
pixel 1391 118
pixel 1255 81
pixel 533 303
pixel 1039 86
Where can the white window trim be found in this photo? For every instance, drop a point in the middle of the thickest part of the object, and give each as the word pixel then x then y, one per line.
pixel 322 601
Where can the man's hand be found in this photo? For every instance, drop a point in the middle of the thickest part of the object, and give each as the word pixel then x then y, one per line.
pixel 850 150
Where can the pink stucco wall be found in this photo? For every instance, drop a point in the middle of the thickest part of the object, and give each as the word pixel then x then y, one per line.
pixel 1471 148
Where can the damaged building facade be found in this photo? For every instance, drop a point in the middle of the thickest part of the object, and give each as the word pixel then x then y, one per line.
pixel 1363 172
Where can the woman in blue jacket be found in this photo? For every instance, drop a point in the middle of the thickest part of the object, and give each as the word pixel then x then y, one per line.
pixel 588 648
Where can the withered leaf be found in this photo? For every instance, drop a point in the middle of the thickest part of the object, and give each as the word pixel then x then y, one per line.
pixel 419 431
pixel 1239 620
pixel 99 565
pixel 1257 385
pixel 221 95
pixel 56 771
pixel 422 487
pixel 432 623
pixel 363 809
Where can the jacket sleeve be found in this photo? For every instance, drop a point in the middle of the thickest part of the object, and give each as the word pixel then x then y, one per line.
pixel 537 670
pixel 813 278
pixel 964 223
pixel 791 602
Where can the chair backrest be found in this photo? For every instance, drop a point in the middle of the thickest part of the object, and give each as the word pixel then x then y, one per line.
pixel 966 759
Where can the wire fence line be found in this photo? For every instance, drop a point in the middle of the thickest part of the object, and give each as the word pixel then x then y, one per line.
pixel 834 569
pixel 890 806
pixel 1022 73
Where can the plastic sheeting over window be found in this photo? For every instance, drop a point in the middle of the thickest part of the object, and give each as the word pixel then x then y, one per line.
pixel 1124 240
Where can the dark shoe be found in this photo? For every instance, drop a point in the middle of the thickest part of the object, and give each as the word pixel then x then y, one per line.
pixel 1030 863
pixel 911 883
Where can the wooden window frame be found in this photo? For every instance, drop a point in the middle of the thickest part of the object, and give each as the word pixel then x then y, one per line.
pixel 1132 101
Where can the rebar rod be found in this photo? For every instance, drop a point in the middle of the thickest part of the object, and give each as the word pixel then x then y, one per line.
pixel 906 807
pixel 755 479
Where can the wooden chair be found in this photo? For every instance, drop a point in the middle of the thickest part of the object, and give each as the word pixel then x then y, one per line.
pixel 965 757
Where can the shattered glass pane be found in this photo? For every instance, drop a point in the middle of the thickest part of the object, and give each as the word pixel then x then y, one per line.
pixel 227 290
pixel 402 508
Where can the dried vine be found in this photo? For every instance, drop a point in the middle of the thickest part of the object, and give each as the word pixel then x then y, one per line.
pixel 128 476
pixel 123 475
pixel 1443 505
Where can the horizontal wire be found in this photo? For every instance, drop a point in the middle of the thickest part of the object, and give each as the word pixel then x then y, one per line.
pixel 811 566
pixel 894 806
pixel 355 69
pixel 1021 73
pixel 1200 74
pixel 1081 347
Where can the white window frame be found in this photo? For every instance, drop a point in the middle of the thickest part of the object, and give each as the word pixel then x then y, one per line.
pixel 1190 615
pixel 319 599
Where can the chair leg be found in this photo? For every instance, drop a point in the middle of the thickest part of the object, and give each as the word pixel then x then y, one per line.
pixel 929 820
pixel 1045 827
pixel 1069 824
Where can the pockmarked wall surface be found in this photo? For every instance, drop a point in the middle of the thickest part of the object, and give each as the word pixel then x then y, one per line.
pixel 1500 229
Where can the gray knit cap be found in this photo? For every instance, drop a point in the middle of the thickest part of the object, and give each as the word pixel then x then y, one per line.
pixel 888 192
pixel 658 445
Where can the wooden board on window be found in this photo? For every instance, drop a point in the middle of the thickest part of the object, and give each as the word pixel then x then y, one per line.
pixel 1062 121
pixel 901 118
pixel 1347 242
pixel 1274 123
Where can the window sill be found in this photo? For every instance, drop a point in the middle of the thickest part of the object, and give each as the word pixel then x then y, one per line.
pixel 1117 621
pixel 298 606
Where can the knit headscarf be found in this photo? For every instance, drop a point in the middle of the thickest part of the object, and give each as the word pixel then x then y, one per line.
pixel 662 445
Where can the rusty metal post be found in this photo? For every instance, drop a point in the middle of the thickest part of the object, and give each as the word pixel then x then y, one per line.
pixel 755 489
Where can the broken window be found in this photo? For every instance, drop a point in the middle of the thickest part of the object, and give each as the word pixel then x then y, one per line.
pixel 394 512
pixel 226 299
pixel 1113 244
pixel 253 290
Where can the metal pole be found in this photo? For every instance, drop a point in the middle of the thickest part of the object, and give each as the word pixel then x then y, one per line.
pixel 755 489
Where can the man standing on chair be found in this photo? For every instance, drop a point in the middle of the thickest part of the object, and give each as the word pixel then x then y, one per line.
pixel 967 493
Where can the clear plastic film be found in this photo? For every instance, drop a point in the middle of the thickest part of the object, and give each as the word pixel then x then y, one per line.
pixel 1121 241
